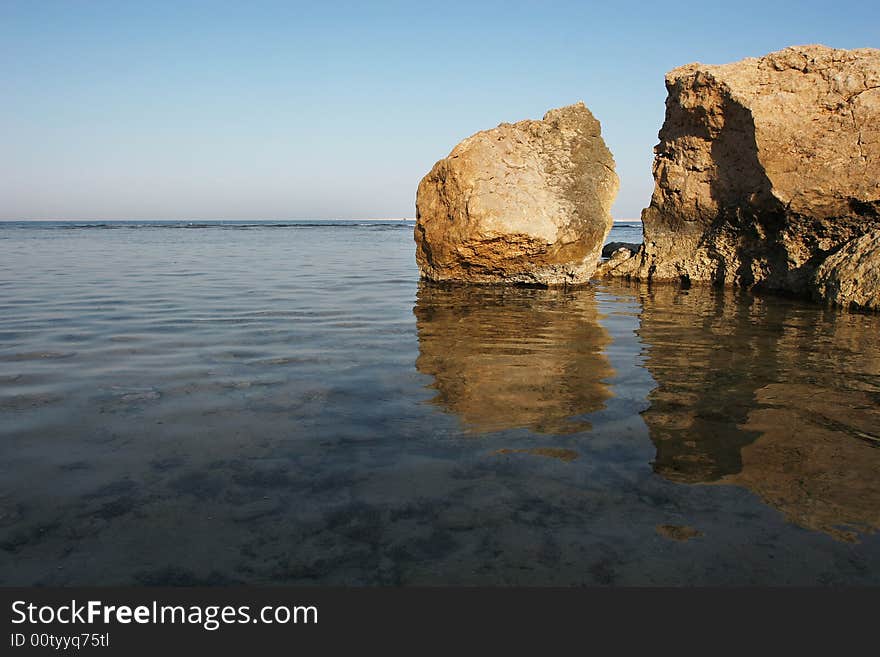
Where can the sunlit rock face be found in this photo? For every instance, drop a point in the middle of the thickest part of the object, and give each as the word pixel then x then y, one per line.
pixel 527 203
pixel 506 358
pixel 764 168
pixel 744 405
pixel 851 277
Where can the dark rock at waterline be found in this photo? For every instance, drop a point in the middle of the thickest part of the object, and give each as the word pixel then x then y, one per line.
pixel 609 249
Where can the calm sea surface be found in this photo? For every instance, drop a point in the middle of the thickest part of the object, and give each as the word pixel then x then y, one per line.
pixel 286 404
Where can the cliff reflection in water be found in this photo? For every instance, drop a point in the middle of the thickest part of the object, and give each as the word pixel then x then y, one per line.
pixel 773 395
pixel 776 396
pixel 505 358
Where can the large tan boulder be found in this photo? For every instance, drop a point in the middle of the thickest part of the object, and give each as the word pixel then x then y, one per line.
pixel 524 203
pixel 851 277
pixel 764 168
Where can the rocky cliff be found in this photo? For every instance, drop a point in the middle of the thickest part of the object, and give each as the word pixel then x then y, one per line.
pixel 765 167
pixel 522 203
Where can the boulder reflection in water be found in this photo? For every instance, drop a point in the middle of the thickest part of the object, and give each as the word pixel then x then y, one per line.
pixel 505 358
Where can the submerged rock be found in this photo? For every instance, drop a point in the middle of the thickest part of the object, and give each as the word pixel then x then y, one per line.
pixel 851 277
pixel 525 203
pixel 764 168
pixel 560 453
pixel 678 532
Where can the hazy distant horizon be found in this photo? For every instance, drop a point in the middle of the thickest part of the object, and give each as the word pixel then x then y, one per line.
pixel 191 109
pixel 616 220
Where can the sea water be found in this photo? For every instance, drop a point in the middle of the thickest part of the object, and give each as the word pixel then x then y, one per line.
pixel 284 403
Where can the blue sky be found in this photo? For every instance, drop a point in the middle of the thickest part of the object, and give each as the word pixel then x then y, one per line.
pixel 283 110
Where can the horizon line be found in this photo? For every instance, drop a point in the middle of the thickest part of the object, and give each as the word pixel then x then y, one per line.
pixel 615 220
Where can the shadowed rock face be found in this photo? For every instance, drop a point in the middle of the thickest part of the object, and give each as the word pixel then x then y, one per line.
pixel 505 358
pixel 525 203
pixel 736 407
pixel 764 168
